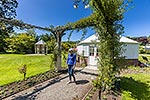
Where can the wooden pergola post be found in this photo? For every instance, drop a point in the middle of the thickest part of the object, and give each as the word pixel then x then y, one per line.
pixel 58 35
pixel 59 50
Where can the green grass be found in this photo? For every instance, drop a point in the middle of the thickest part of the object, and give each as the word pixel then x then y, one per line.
pixel 146 55
pixel 136 86
pixel 9 64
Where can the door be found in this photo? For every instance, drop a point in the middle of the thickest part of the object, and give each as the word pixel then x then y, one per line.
pixel 92 55
pixel 92 60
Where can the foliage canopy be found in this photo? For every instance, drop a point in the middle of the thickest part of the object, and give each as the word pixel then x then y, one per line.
pixel 7 10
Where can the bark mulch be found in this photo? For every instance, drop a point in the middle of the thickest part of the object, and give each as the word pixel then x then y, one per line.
pixel 58 89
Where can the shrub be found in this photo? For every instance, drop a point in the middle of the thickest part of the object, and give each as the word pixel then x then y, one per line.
pixel 142 50
pixel 147 52
pixel 23 70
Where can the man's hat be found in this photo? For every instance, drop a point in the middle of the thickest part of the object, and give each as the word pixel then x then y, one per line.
pixel 70 49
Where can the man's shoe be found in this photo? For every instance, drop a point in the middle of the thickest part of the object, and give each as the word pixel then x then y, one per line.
pixel 75 81
pixel 69 82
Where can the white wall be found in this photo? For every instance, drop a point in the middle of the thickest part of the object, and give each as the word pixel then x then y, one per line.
pixel 83 48
pixel 86 50
pixel 80 49
pixel 131 51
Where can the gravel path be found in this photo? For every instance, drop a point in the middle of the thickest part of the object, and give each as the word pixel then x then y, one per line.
pixel 58 89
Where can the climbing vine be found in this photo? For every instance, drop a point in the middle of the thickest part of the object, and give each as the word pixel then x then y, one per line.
pixel 107 20
pixel 109 30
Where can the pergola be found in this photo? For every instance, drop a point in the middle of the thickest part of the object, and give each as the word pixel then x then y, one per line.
pixel 41 47
pixel 58 31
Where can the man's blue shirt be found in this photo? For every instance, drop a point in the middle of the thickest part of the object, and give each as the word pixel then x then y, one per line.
pixel 71 59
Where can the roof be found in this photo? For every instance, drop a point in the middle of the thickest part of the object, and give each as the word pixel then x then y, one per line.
pixel 94 37
pixel 127 40
pixel 40 42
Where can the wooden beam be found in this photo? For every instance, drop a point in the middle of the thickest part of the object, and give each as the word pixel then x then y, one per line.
pixel 19 23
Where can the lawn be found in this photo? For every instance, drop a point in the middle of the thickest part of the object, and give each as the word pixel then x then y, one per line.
pixel 136 86
pixel 9 64
pixel 146 55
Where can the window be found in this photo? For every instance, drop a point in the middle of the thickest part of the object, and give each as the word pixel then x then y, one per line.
pixel 91 50
pixel 97 51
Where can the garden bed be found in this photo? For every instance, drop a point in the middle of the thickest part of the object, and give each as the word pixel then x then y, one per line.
pixel 15 87
pixel 111 95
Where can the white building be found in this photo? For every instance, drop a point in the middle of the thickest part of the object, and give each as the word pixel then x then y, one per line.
pixel 146 47
pixel 88 49
pixel 41 47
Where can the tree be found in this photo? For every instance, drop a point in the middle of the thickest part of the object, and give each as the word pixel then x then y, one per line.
pixel 108 15
pixel 143 40
pixel 68 44
pixel 21 43
pixel 51 44
pixel 109 30
pixel 7 10
pixel 31 32
pixel 45 37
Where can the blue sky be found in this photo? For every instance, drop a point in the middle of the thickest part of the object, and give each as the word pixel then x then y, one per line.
pixel 137 20
pixel 58 12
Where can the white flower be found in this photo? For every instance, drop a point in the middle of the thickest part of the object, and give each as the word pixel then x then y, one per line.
pixel 75 6
pixel 86 6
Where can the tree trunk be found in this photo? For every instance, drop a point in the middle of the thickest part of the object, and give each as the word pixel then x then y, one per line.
pixel 24 75
pixel 99 94
pixel 59 50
